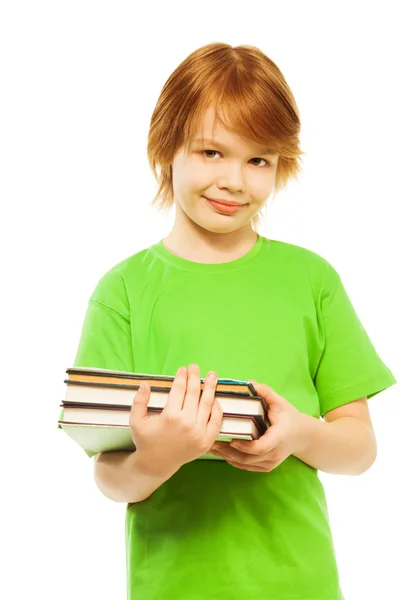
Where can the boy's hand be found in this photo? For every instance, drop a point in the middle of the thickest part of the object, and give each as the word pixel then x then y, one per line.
pixel 184 430
pixel 282 438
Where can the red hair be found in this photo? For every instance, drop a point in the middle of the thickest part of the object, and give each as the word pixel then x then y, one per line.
pixel 240 82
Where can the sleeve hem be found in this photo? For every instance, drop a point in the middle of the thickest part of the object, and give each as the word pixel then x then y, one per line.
pixel 367 388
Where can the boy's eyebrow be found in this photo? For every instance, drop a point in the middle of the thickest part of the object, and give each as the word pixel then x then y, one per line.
pixel 267 151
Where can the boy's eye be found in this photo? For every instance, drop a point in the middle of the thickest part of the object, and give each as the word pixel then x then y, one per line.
pixel 218 152
pixel 215 151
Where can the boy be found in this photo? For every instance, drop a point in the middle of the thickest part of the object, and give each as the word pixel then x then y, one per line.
pixel 217 296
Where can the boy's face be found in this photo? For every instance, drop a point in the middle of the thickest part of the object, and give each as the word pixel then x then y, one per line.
pixel 232 169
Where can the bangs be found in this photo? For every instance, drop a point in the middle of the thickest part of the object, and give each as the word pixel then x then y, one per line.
pixel 244 109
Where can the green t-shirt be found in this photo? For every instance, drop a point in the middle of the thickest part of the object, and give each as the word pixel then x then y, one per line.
pixel 279 315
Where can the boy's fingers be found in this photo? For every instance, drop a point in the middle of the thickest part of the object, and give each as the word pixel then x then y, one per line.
pixel 140 403
pixel 177 394
pixel 207 399
pixel 215 422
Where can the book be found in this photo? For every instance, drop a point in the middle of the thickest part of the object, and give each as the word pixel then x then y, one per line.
pixel 103 437
pixel 94 374
pixel 82 414
pixel 90 386
pixel 96 409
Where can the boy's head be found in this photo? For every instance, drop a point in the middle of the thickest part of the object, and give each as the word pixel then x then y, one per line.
pixel 239 98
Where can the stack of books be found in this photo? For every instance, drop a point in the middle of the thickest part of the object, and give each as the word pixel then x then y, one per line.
pixel 96 409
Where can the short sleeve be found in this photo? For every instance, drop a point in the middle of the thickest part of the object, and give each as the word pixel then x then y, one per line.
pixel 105 340
pixel 349 367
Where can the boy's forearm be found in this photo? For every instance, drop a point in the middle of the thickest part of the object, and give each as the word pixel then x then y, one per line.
pixel 346 446
pixel 120 478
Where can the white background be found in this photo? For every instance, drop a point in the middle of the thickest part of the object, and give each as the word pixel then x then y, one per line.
pixel 79 83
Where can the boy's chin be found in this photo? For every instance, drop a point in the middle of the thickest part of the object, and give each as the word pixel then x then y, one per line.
pixel 223 224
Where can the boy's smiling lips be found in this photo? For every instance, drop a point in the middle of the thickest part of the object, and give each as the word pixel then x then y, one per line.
pixel 228 209
pixel 222 201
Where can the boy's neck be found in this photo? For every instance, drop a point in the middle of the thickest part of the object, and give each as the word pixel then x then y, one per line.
pixel 212 248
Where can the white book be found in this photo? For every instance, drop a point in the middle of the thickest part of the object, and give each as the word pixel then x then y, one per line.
pixel 95 438
pixel 101 395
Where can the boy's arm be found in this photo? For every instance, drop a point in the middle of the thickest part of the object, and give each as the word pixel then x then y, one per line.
pixel 121 477
pixel 344 443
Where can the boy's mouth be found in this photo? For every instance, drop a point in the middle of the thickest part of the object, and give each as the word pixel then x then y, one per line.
pixel 225 208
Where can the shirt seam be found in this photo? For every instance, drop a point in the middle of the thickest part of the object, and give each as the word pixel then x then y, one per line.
pixel 330 292
pixel 111 309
